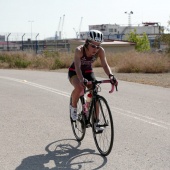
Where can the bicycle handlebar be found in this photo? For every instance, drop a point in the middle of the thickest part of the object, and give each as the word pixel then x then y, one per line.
pixel 103 81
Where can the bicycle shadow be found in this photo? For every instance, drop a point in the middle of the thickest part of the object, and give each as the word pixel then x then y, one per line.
pixel 64 154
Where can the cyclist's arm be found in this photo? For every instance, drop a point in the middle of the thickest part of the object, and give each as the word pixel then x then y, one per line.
pixel 77 62
pixel 104 63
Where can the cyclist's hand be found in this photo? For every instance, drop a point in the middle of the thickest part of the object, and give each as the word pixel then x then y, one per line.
pixel 84 82
pixel 113 79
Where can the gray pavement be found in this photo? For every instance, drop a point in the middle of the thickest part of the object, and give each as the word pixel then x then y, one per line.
pixel 36 133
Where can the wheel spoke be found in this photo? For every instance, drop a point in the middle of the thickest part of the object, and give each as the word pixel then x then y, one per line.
pixel 104 139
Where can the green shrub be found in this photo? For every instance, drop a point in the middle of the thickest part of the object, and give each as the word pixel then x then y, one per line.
pixel 21 63
pixel 2 58
pixel 57 64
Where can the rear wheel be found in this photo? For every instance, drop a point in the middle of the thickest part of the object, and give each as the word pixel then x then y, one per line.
pixel 103 139
pixel 78 126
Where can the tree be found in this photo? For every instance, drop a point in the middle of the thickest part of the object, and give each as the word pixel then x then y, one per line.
pixel 142 42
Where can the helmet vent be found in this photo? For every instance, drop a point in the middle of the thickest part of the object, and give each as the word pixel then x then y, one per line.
pixel 95 35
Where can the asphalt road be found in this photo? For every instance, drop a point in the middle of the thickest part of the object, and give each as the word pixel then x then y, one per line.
pixel 36 134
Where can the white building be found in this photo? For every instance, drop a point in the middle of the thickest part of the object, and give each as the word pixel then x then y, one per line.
pixel 118 32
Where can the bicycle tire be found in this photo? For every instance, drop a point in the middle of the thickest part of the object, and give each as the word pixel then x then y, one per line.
pixel 78 126
pixel 104 139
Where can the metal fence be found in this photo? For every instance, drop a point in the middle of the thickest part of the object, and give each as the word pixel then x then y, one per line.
pixel 26 41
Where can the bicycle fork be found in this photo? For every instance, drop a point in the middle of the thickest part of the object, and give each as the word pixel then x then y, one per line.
pixel 98 108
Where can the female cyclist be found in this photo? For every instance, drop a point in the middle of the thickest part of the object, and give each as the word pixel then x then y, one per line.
pixel 81 70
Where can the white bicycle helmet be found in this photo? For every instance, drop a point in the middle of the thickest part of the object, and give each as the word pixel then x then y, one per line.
pixel 95 35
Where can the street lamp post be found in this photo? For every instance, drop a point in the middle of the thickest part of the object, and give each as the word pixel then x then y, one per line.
pixel 129 17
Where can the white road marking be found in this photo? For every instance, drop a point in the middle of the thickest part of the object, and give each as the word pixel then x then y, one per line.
pixel 149 121
pixel 133 115
pixel 38 86
pixel 142 116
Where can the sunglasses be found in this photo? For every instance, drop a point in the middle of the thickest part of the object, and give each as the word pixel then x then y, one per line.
pixel 94 46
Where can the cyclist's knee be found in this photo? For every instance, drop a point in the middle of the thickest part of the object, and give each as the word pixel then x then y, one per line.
pixel 79 88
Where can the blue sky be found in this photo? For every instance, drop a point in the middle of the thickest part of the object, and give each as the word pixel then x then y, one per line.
pixel 45 14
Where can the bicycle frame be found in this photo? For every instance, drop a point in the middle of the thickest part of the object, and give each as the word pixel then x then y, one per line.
pixel 95 96
pixel 99 119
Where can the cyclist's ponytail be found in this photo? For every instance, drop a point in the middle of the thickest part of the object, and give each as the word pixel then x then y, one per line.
pixel 86 43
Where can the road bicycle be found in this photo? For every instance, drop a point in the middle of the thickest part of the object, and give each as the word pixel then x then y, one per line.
pixel 98 110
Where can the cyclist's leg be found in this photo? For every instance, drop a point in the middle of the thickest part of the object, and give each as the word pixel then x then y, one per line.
pixel 77 122
pixel 78 88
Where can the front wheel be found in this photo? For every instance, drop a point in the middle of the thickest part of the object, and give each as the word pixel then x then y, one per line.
pixel 102 116
pixel 78 126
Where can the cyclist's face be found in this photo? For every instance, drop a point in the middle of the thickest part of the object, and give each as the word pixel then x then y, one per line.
pixel 94 47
